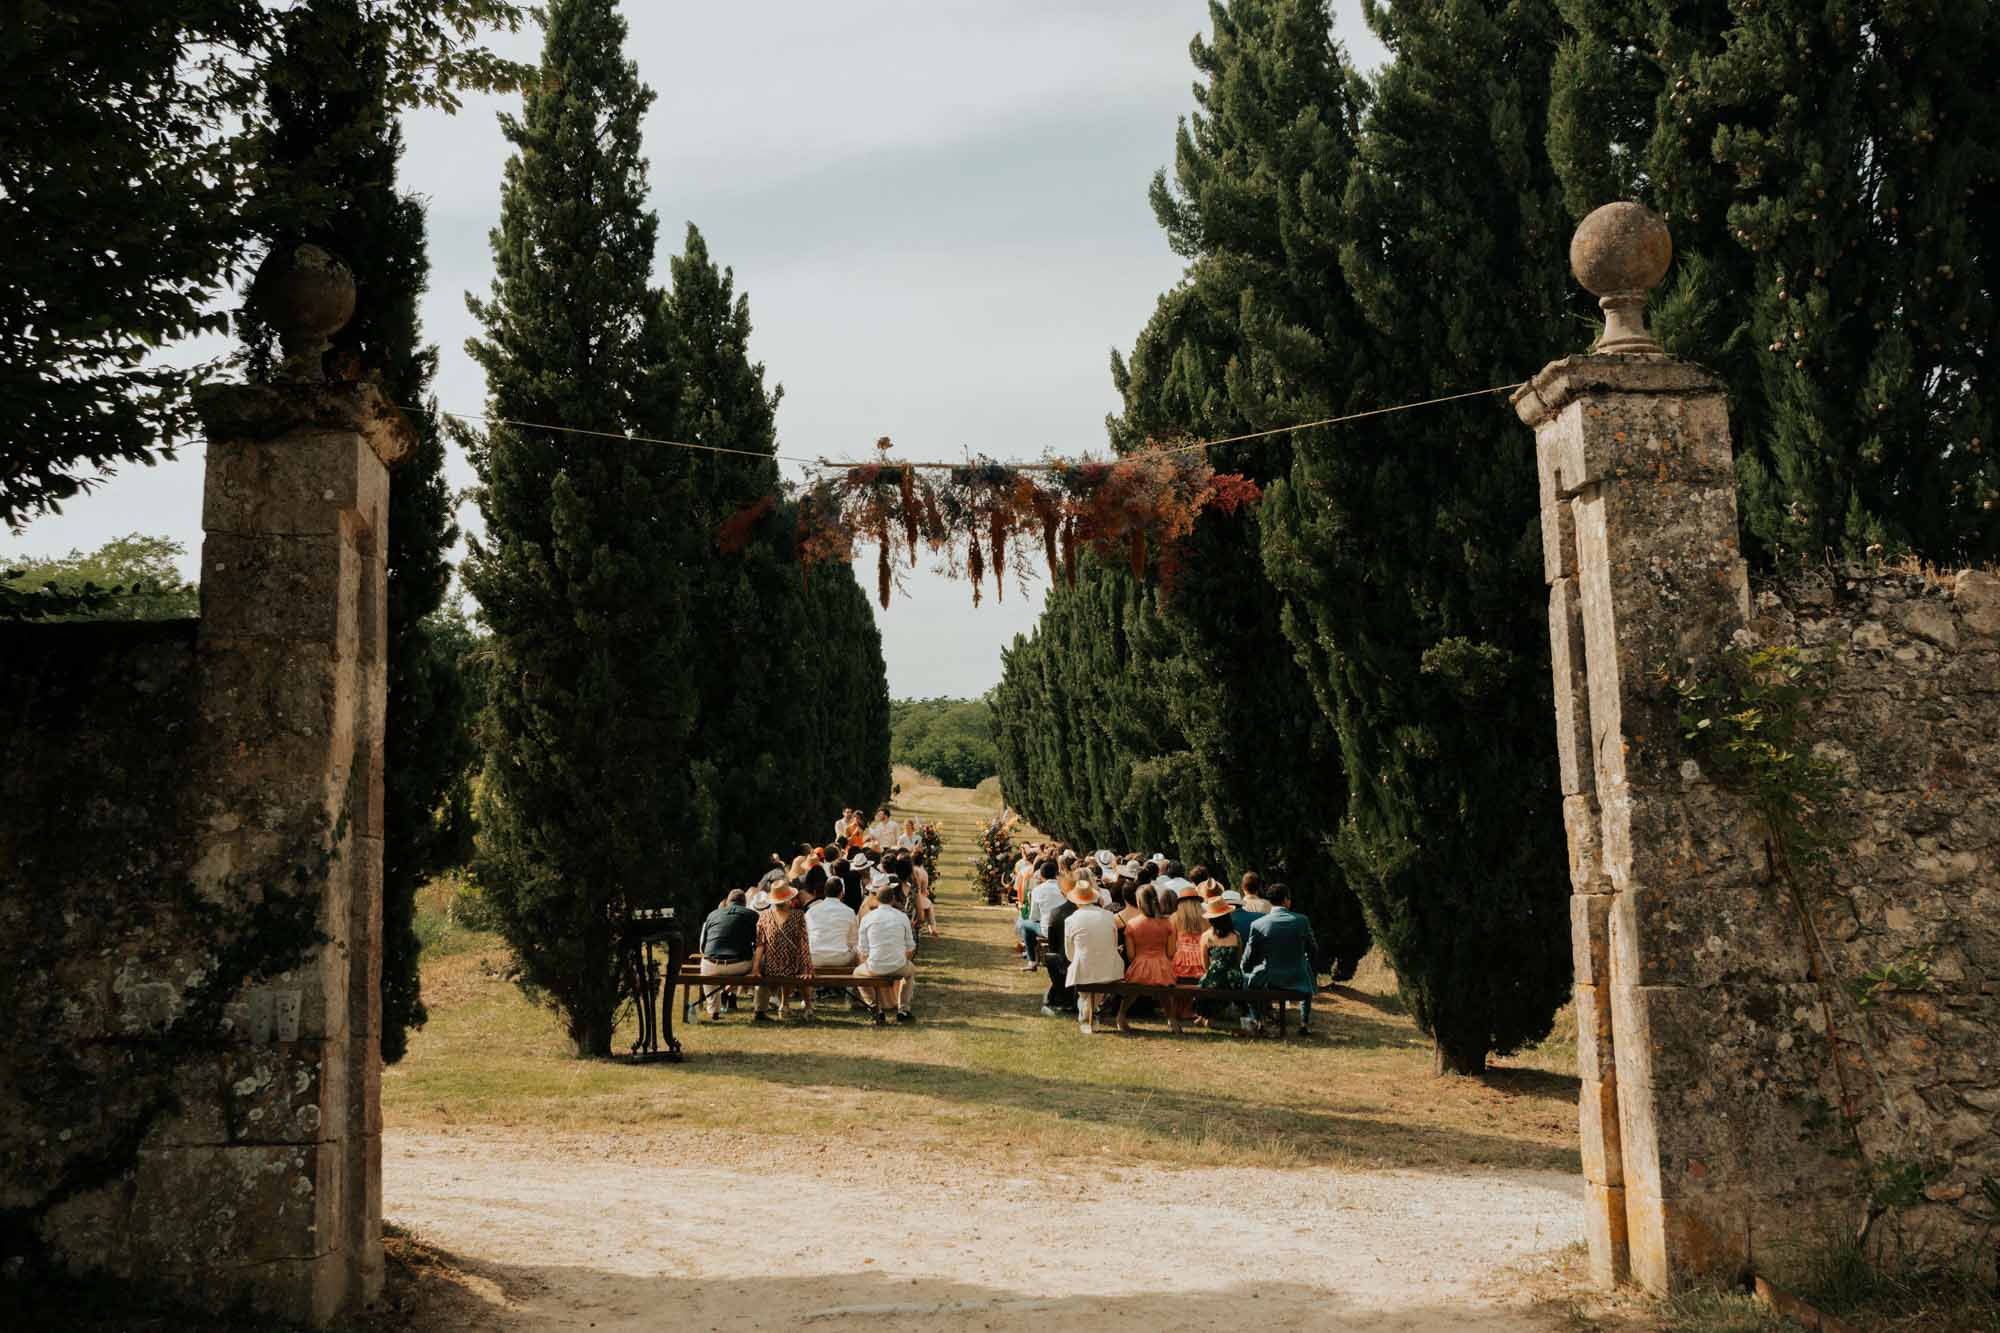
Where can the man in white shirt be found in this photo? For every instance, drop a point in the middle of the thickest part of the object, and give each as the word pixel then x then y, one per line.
pixel 830 932
pixel 1044 898
pixel 888 948
pixel 883 831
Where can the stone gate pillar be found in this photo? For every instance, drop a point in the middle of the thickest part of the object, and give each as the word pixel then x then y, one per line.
pixel 1639 538
pixel 292 689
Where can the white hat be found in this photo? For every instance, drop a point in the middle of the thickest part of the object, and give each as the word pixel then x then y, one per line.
pixel 859 863
pixel 1158 858
pixel 1105 858
pixel 1232 896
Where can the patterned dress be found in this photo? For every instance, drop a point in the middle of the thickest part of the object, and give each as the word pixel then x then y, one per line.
pixel 1225 972
pixel 786 951
pixel 1187 956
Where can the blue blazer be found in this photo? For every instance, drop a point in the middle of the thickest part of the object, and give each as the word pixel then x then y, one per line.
pixel 1279 953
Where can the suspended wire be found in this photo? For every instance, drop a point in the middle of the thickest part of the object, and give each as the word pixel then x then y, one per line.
pixel 606 434
pixel 1019 467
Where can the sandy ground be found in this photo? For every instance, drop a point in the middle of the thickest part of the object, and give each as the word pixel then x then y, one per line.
pixel 586 1233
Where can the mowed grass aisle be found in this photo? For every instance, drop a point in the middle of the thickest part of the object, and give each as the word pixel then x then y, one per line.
pixel 982 1075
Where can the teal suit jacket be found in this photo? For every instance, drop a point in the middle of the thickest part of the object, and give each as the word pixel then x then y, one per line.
pixel 1279 953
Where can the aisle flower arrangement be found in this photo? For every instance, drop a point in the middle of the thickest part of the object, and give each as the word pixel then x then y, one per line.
pixel 980 517
pixel 994 865
pixel 930 844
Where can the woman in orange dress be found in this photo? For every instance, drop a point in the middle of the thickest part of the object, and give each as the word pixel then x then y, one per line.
pixel 1189 926
pixel 1149 943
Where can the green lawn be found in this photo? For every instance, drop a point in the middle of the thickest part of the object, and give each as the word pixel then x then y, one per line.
pixel 983 1070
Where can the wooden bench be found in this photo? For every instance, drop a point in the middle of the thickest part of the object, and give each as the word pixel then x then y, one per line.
pixel 1282 998
pixel 696 988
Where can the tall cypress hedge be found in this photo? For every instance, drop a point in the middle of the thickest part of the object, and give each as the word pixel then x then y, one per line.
pixel 590 803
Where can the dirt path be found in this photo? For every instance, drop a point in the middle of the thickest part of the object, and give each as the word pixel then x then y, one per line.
pixel 555 1236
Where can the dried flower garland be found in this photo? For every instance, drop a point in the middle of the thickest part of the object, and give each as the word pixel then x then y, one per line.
pixel 984 516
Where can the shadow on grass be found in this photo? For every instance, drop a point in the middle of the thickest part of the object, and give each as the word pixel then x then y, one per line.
pixel 1391 1003
pixel 1232 1121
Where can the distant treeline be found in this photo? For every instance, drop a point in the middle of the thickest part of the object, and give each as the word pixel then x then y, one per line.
pixel 950 739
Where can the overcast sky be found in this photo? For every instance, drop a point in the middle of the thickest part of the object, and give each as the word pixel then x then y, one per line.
pixel 937 209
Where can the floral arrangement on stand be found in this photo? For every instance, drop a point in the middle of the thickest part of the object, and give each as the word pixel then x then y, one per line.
pixel 994 866
pixel 930 844
pixel 980 517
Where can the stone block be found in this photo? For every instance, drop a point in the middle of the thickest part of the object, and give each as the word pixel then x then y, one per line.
pixel 1642 437
pixel 1673 574
pixel 1604 1229
pixel 302 588
pixel 1583 822
pixel 296 485
pixel 1690 833
pixel 1576 765
pixel 202 1208
pixel 1706 933
pixel 1976 598
pixel 1590 938
pixel 1596 1052
pixel 273 1093
pixel 366 1264
pixel 1597 1118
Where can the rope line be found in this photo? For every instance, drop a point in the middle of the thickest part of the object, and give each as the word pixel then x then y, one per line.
pixel 608 435
pixel 1019 467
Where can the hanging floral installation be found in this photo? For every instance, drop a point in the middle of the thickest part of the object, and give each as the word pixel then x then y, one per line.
pixel 980 517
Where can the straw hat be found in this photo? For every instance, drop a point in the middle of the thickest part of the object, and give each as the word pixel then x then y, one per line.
pixel 1215 907
pixel 1105 858
pixel 1189 893
pixel 1232 896
pixel 1210 889
pixel 860 863
pixel 1083 895
pixel 783 893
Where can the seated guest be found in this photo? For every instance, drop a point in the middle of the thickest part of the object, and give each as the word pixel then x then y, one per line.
pixel 856 876
pixel 1149 943
pixel 1240 913
pixel 830 932
pixel 1252 892
pixel 1090 942
pixel 1278 954
pixel 925 918
pixel 888 948
pixel 1221 961
pixel 1044 898
pixel 728 948
pixel 1126 899
pixel 1059 999
pixel 1189 926
pixel 782 950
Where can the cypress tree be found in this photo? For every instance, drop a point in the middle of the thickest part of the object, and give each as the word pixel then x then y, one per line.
pixel 1258 170
pixel 330 146
pixel 1832 176
pixel 1408 547
pixel 582 575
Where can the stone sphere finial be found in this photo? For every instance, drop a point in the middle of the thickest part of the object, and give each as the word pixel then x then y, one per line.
pixel 1620 253
pixel 307 295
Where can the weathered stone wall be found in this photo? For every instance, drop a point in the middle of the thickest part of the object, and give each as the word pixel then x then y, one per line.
pixel 1905 909
pixel 190 893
